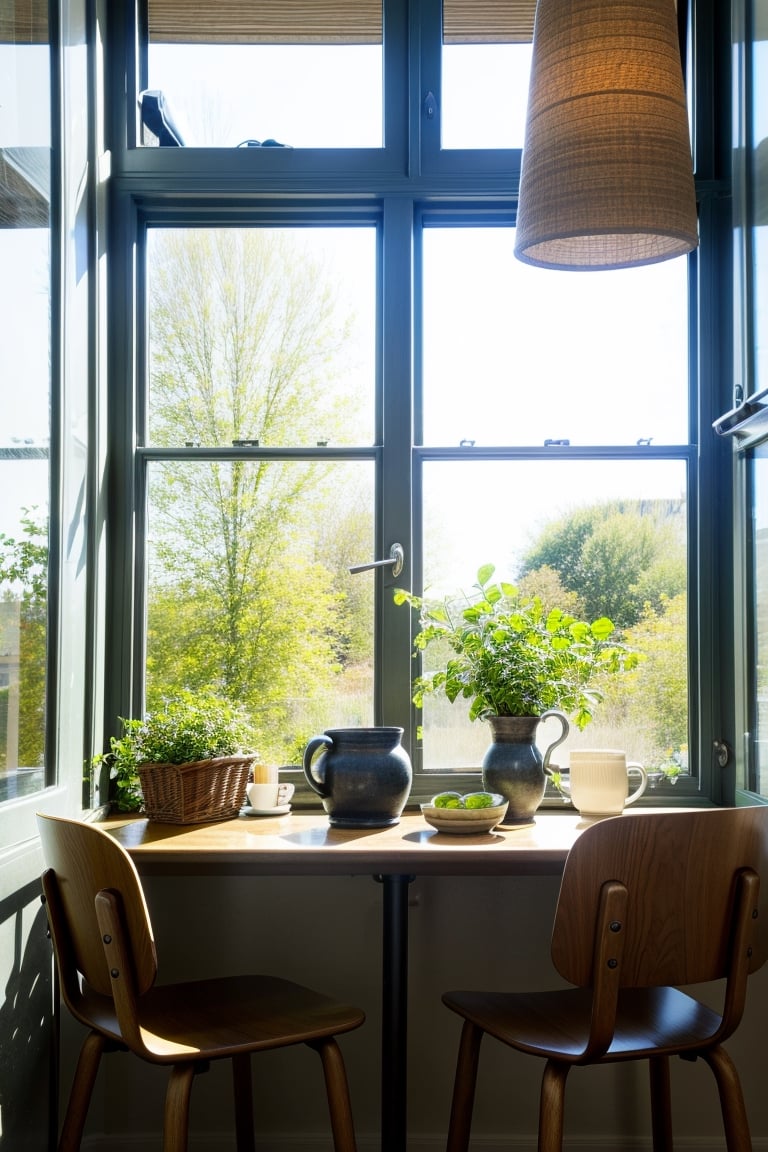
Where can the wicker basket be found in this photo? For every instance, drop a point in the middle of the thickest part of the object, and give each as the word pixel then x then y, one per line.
pixel 196 793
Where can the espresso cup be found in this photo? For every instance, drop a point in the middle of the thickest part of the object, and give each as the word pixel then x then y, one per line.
pixel 263 797
pixel 599 781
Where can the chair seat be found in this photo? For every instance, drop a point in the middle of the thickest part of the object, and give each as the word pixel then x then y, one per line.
pixel 649 1021
pixel 209 1019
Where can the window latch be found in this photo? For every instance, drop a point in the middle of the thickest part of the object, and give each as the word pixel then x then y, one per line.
pixel 430 106
pixel 723 752
pixel 396 559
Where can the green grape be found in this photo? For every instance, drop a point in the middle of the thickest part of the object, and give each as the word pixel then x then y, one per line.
pixel 448 800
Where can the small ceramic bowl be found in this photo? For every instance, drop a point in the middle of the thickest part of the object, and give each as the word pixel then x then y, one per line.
pixel 465 821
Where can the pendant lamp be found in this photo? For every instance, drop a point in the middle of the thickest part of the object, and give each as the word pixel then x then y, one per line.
pixel 607 179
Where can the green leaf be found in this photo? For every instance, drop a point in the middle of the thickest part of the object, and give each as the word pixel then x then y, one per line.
pixel 484 574
pixel 601 629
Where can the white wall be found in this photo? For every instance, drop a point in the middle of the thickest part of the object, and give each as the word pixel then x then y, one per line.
pixel 464 932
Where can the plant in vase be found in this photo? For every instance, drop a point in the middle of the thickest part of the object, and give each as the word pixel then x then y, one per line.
pixel 197 739
pixel 517 662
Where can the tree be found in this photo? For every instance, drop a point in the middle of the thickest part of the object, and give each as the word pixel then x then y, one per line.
pixel 244 332
pixel 24 627
pixel 654 696
pixel 627 559
pixel 616 556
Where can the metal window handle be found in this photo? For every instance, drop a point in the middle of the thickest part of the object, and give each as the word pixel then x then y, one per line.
pixel 396 559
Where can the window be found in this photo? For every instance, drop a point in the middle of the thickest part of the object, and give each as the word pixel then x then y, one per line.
pixel 436 394
pixel 25 351
pixel 539 459
pixel 748 420
pixel 50 465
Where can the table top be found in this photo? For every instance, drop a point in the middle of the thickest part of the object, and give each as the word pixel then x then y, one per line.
pixel 301 843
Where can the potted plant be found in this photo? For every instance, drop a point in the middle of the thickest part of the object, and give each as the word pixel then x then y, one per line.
pixel 186 762
pixel 516 661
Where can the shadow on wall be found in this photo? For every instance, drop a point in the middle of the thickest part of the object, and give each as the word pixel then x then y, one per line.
pixel 25 1023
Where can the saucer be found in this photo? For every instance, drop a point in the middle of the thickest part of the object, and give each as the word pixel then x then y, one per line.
pixel 280 810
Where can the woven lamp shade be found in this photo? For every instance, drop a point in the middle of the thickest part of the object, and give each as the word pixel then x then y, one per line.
pixel 606 180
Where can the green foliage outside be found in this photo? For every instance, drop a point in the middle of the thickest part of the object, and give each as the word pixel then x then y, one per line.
pixel 616 556
pixel 659 684
pixel 23 630
pixel 631 557
pixel 244 592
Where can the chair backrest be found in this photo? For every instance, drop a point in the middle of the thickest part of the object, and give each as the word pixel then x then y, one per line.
pixel 680 870
pixel 86 860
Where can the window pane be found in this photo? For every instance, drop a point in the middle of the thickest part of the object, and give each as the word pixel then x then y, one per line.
pixel 306 75
pixel 759 468
pixel 249 592
pixel 759 172
pixel 24 408
pixel 519 355
pixel 594 538
pixel 485 95
pixel 263 335
pixel 486 63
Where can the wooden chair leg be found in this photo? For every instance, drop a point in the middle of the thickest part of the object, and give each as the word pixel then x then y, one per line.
pixel 337 1091
pixel 661 1104
pixel 243 1090
pixel 82 1090
pixel 177 1097
pixel 552 1106
pixel 464 1083
pixel 737 1135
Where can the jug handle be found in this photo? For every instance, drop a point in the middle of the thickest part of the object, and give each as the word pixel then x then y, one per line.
pixel 313 745
pixel 563 735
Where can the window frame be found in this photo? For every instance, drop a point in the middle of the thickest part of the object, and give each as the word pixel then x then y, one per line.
pixel 210 185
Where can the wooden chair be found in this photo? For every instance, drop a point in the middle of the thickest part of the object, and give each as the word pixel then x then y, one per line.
pixel 107 964
pixel 648 901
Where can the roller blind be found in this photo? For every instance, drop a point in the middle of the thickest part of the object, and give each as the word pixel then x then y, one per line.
pixel 23 21
pixel 326 21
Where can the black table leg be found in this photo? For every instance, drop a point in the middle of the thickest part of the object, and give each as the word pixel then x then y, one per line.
pixel 394 1022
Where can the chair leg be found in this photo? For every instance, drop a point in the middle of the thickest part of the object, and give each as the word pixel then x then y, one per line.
pixel 177 1097
pixel 737 1136
pixel 661 1104
pixel 243 1088
pixel 337 1091
pixel 82 1089
pixel 464 1083
pixel 552 1106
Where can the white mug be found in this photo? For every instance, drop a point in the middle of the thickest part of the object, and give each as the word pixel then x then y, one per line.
pixel 598 781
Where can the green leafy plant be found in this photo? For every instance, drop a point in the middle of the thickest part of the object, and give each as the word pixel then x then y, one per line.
pixel 190 726
pixel 511 656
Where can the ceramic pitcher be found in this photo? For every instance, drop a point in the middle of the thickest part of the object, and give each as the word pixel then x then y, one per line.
pixel 362 775
pixel 514 766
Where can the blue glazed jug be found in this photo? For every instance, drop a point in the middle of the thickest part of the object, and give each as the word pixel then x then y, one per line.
pixel 363 775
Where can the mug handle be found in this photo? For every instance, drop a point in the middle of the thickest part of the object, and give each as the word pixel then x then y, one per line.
pixel 313 745
pixel 633 767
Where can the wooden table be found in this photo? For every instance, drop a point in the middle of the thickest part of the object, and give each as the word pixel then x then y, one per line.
pixel 299 844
